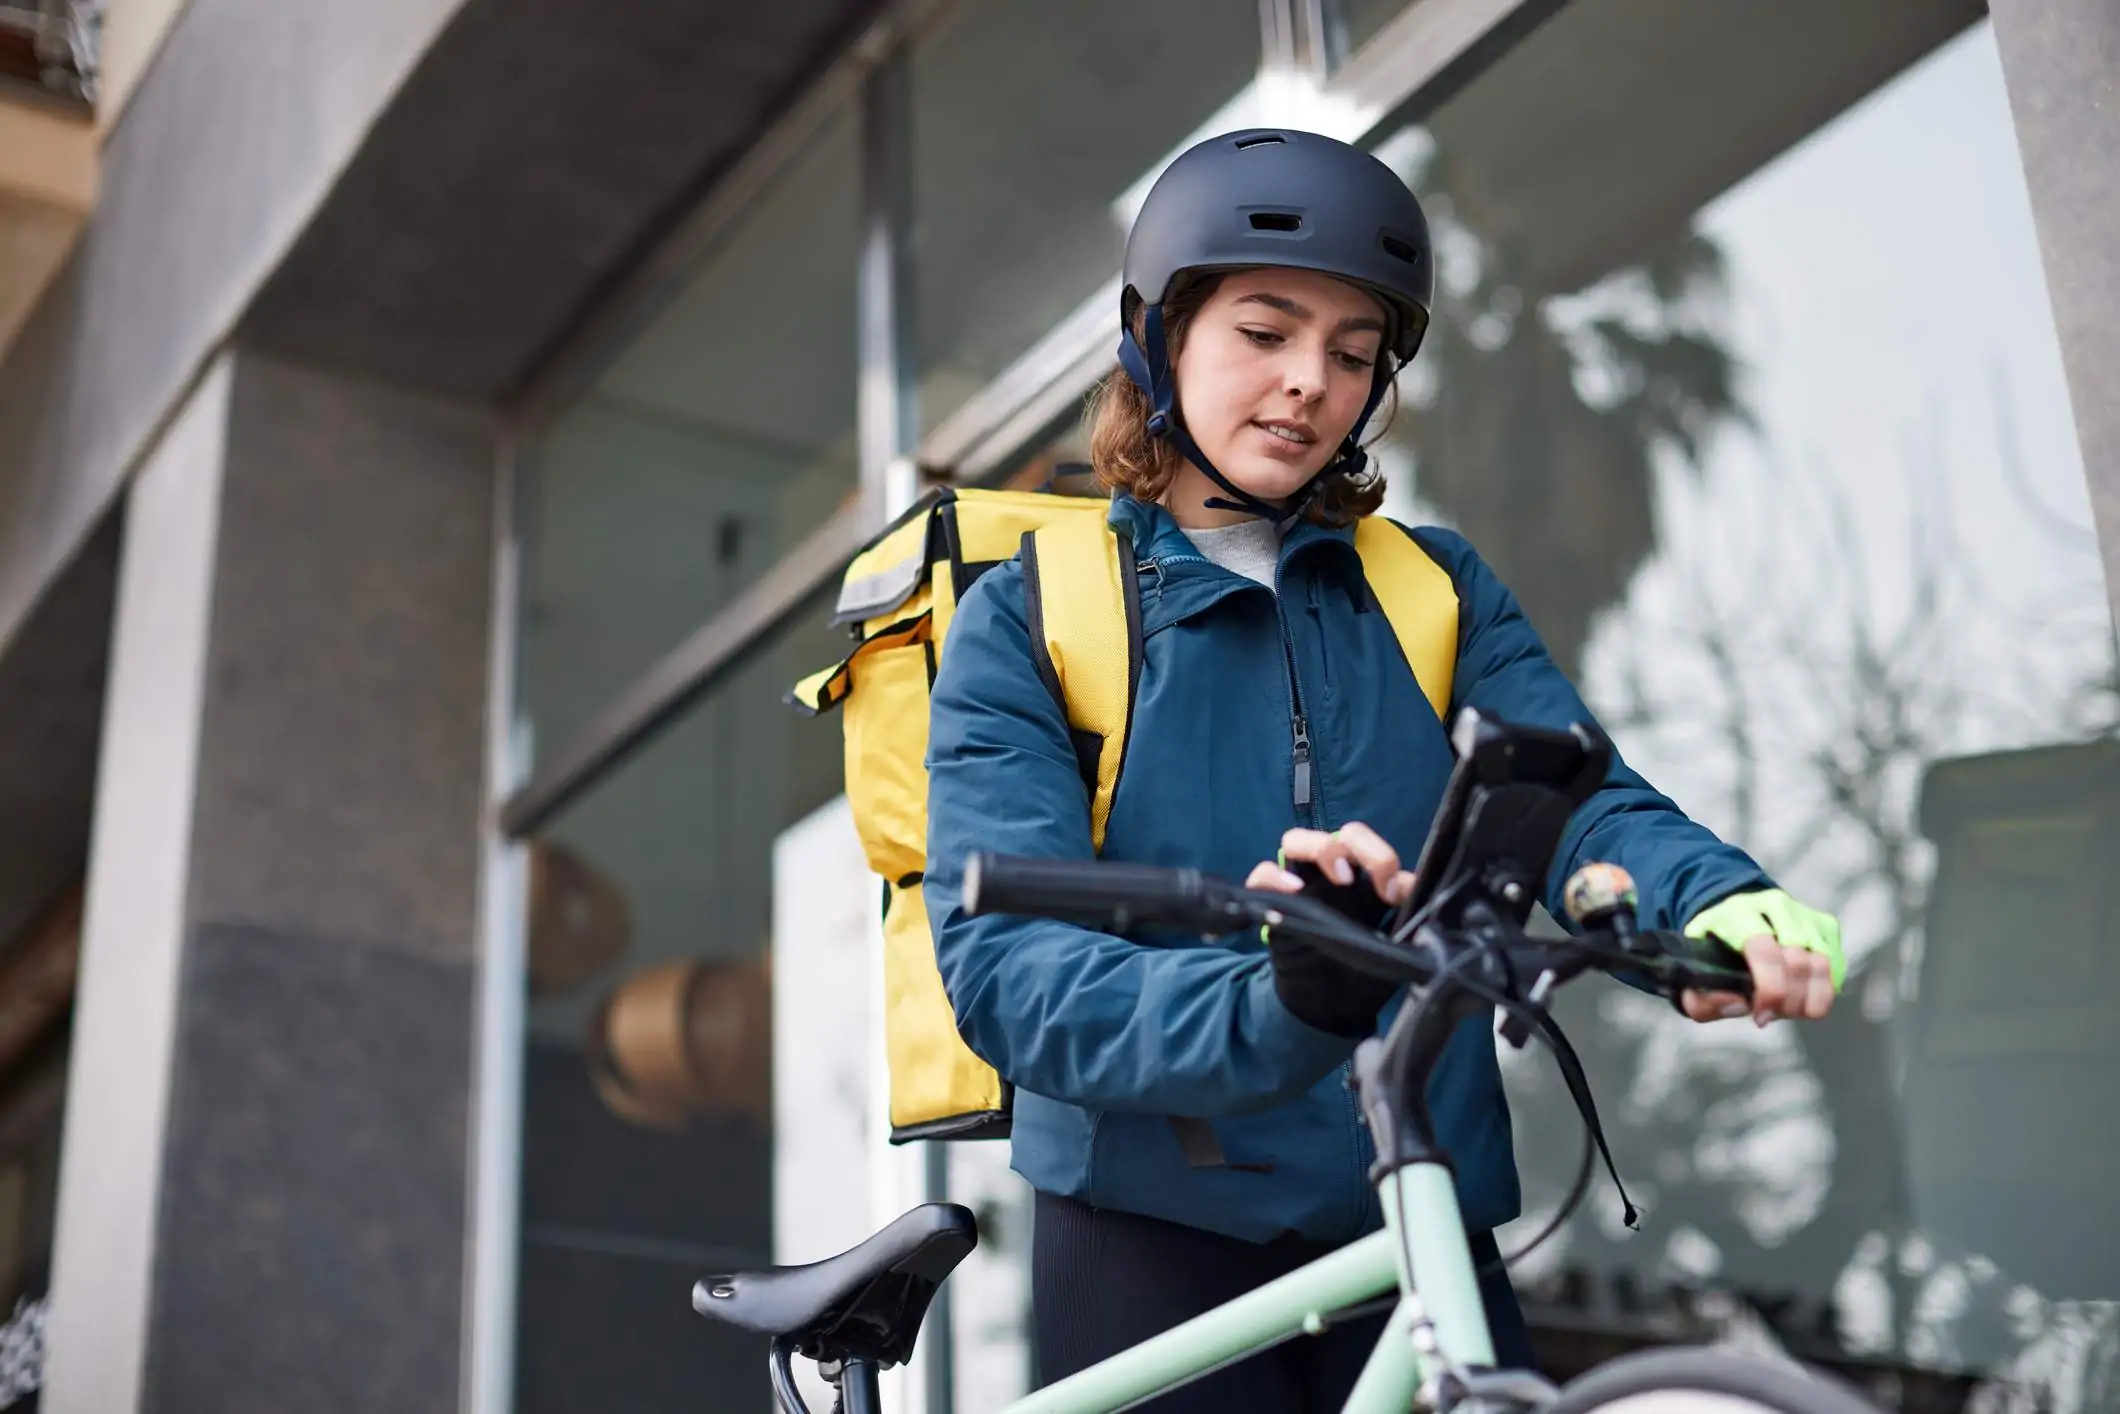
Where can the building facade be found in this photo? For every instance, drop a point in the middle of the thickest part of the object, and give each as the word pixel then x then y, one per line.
pixel 430 434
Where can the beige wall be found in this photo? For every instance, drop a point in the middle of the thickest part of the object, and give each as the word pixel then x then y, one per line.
pixel 47 185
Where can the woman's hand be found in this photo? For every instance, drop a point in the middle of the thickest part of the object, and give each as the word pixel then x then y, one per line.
pixel 1337 856
pixel 1792 982
pixel 1793 953
pixel 1316 990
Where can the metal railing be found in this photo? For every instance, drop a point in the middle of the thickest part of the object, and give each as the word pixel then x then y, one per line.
pixel 52 45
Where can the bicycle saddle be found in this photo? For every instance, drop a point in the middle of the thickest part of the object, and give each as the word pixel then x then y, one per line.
pixel 867 1303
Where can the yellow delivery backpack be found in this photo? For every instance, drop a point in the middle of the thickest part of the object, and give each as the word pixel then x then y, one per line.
pixel 898 597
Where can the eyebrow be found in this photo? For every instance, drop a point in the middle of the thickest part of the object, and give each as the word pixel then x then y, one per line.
pixel 1352 324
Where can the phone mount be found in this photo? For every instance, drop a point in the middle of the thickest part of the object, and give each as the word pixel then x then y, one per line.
pixel 1503 814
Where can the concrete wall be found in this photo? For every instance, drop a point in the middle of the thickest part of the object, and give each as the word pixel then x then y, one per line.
pixel 2061 60
pixel 133 32
pixel 251 111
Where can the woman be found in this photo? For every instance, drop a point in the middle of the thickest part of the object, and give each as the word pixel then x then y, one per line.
pixel 1180 1107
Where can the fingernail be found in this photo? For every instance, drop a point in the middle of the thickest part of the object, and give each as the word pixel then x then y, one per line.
pixel 1732 1010
pixel 1290 882
pixel 1342 872
pixel 1764 1019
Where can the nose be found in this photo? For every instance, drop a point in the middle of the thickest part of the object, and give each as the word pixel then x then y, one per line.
pixel 1303 372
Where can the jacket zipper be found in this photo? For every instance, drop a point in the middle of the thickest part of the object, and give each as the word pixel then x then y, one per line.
pixel 1306 802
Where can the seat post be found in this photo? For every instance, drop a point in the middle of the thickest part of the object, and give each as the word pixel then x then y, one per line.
pixel 858 1393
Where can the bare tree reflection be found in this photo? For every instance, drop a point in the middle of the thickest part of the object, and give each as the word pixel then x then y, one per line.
pixel 1806 710
pixel 1535 412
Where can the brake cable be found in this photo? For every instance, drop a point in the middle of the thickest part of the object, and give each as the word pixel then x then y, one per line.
pixel 1549 1031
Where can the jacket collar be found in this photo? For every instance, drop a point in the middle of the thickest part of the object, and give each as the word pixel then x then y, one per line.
pixel 1157 536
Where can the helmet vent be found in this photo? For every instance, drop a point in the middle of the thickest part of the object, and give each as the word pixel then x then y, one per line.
pixel 1399 249
pixel 1260 140
pixel 1276 221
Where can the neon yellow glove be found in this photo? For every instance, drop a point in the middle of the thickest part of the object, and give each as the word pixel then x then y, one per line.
pixel 1744 916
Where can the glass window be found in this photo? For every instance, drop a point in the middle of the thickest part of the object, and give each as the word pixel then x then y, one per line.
pixel 648 1133
pixel 1745 377
pixel 718 437
pixel 1035 130
pixel 699 454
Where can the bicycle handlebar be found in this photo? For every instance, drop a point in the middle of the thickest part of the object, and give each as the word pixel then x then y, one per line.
pixel 1108 897
pixel 1115 898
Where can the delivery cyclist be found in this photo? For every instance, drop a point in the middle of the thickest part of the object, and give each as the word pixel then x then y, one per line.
pixel 1181 1107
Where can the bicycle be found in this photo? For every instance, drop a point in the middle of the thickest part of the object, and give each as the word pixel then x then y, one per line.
pixel 1461 943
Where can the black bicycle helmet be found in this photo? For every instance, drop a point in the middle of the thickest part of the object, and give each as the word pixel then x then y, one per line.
pixel 1274 197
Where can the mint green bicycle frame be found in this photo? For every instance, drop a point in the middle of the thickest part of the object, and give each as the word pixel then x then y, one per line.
pixel 1443 1284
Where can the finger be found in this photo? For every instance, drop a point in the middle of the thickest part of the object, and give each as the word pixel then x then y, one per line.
pixel 1329 853
pixel 1770 983
pixel 1315 846
pixel 1713 1006
pixel 1795 980
pixel 1378 859
pixel 1303 844
pixel 1401 887
pixel 1272 877
pixel 1818 998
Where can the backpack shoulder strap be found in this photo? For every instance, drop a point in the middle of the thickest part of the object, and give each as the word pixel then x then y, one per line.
pixel 1082 596
pixel 1419 598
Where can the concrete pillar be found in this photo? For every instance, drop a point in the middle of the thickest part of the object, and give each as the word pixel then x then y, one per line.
pixel 2061 63
pixel 263 1188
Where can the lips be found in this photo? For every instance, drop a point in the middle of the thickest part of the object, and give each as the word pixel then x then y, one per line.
pixel 1294 434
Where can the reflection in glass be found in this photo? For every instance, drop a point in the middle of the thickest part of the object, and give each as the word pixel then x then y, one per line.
pixel 648 1117
pixel 710 444
pixel 1035 130
pixel 1813 530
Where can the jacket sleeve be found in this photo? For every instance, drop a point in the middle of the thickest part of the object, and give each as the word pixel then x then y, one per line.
pixel 1060 1010
pixel 1503 669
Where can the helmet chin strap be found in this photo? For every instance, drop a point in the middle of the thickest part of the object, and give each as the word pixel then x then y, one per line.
pixel 1151 371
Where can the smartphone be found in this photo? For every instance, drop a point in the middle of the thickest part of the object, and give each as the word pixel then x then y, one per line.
pixel 1504 810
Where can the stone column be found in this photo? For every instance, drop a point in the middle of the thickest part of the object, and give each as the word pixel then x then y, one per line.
pixel 264 1182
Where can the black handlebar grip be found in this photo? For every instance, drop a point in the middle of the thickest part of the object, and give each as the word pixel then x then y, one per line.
pixel 1707 964
pixel 1108 897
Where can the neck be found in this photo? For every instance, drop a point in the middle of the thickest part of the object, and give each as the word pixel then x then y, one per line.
pixel 1186 499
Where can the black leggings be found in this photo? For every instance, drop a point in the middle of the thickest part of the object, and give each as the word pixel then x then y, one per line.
pixel 1102 1281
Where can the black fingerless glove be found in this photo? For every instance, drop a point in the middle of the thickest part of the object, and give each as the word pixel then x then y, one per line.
pixel 1316 990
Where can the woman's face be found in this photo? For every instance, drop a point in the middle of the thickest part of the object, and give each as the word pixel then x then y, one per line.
pixel 1276 367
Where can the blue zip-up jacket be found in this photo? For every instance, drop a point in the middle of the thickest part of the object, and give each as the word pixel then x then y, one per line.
pixel 1106 1038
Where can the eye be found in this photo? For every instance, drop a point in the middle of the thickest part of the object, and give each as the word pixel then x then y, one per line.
pixel 1354 362
pixel 1264 338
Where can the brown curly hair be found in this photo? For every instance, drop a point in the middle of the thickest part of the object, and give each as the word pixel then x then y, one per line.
pixel 1127 459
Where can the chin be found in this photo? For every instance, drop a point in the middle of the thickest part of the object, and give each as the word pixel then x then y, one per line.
pixel 1273 481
